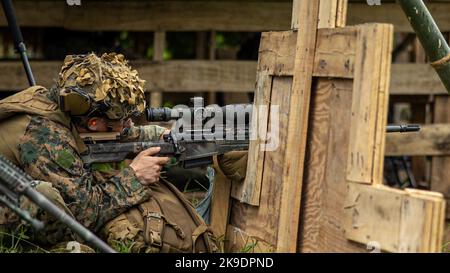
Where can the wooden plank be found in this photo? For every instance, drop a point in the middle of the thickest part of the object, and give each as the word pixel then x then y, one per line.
pixel 399 221
pixel 274 160
pixel 372 214
pixel 414 213
pixel 341 18
pixel 249 191
pixel 277 52
pixel 335 53
pixel 327 14
pixel 271 91
pixel 368 104
pixel 333 13
pixel 292 178
pixel 438 216
pixel 383 104
pixel 266 167
pixel 432 140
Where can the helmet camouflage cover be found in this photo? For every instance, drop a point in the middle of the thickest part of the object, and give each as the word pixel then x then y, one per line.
pixel 108 84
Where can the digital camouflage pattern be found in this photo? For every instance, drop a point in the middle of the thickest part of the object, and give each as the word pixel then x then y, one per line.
pixel 46 154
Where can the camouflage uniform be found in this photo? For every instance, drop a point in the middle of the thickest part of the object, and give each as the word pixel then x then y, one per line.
pixel 46 154
pixel 37 134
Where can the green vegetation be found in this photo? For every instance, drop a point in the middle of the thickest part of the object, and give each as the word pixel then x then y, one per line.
pixel 18 243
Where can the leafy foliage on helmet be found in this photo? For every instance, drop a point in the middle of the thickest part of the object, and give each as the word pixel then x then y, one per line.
pixel 107 80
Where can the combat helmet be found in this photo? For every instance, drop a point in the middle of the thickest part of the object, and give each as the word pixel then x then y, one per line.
pixel 90 85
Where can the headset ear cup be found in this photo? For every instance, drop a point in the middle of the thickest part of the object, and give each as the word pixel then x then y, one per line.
pixel 74 103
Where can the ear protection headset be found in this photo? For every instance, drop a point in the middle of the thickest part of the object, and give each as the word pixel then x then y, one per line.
pixel 76 102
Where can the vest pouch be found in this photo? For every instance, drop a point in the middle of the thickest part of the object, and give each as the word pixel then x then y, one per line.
pixel 164 223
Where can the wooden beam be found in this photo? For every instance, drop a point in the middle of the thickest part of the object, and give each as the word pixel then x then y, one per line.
pixel 95 15
pixel 202 15
pixel 170 76
pixel 237 76
pixel 415 79
pixel 432 140
pixel 306 15
pixel 391 13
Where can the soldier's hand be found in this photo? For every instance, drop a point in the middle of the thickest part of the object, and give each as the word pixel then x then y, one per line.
pixel 148 167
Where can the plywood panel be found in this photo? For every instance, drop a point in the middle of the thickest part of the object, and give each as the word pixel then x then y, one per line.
pixel 325 184
pixel 314 189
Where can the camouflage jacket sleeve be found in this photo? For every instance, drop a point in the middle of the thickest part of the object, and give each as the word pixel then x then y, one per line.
pixel 143 133
pixel 46 154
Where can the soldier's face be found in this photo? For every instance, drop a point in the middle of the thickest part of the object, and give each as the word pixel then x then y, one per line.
pixel 100 124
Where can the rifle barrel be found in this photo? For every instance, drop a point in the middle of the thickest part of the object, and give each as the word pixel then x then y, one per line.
pixel 403 128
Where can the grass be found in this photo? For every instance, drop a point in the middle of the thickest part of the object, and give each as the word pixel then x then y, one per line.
pixel 18 243
pixel 123 247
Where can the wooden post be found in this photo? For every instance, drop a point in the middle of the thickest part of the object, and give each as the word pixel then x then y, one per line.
pixel 159 42
pixel 212 56
pixel 305 19
pixel 419 165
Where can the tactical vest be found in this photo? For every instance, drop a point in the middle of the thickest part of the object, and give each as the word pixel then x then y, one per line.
pixel 15 115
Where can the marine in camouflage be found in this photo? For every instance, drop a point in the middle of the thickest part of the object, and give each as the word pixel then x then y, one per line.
pixel 49 149
pixel 46 154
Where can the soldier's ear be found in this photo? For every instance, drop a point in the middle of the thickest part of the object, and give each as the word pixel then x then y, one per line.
pixel 93 124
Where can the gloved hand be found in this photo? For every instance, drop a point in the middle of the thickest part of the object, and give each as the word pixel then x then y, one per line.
pixel 234 165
